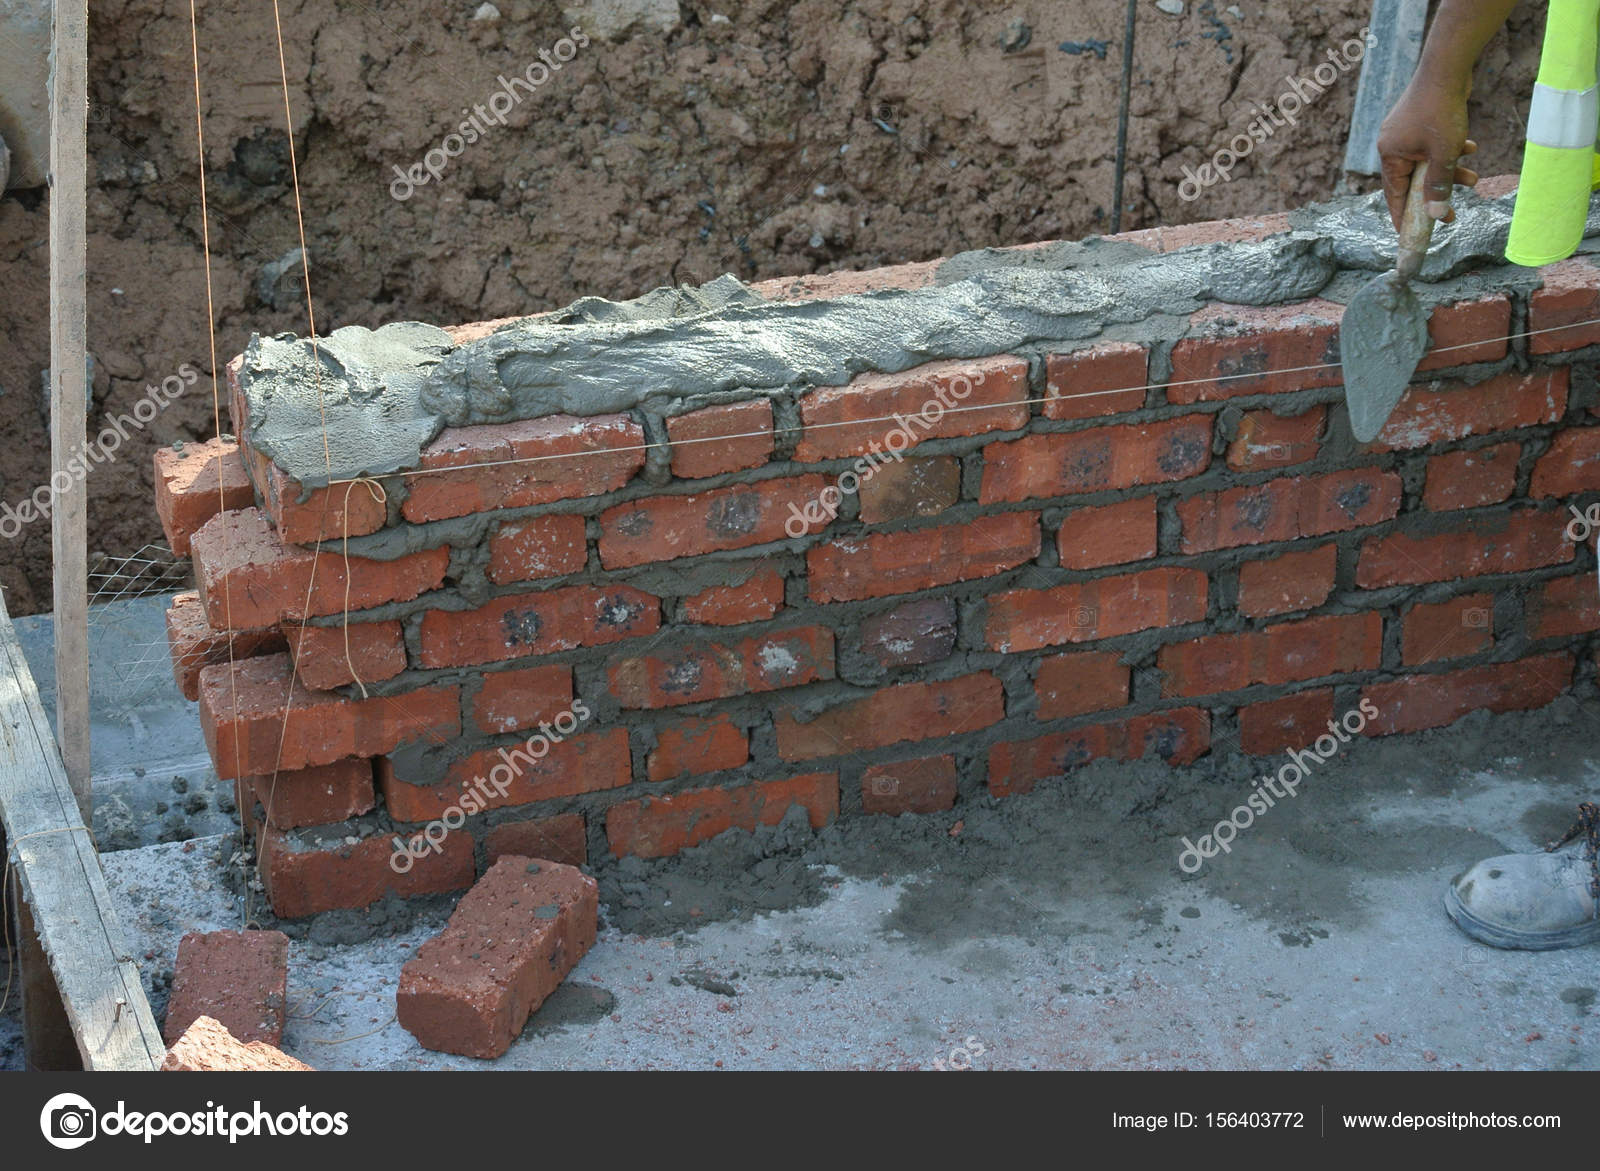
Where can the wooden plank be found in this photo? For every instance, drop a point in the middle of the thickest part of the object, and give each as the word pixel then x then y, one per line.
pixel 69 349
pixel 60 877
pixel 1386 70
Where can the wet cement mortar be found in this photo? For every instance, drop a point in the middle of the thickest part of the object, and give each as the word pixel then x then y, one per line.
pixel 364 402
pixel 1054 929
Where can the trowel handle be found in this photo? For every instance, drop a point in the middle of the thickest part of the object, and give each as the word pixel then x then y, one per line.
pixel 1416 227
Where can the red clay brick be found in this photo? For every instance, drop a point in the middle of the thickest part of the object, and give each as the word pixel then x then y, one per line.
pixel 510 942
pixel 1455 629
pixel 1418 702
pixel 1103 379
pixel 908 711
pixel 1479 545
pixel 786 658
pixel 924 785
pixel 237 978
pixel 194 483
pixel 1180 736
pixel 878 566
pixel 519 774
pixel 1472 479
pixel 195 644
pixel 1288 509
pixel 1000 385
pixel 541 546
pixel 655 827
pixel 326 514
pixel 1112 534
pixel 1272 350
pixel 561 838
pixel 1038 467
pixel 337 656
pixel 1025 620
pixel 720 439
pixel 756 599
pixel 697 746
pixel 1079 683
pixel 563 457
pixel 1467 332
pixel 248 578
pixel 1563 607
pixel 915 633
pixel 1287 724
pixel 1268 440
pixel 207 1047
pixel 510 701
pixel 521 625
pixel 1292 652
pixel 1571 466
pixel 317 727
pixel 899 490
pixel 663 528
pixel 320 795
pixel 1301 580
pixel 1444 411
pixel 1568 305
pixel 305 875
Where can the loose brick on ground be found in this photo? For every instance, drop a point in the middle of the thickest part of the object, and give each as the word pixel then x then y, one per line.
pixel 208 1047
pixel 237 978
pixel 510 942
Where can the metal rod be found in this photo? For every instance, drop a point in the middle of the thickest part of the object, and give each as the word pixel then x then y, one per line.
pixel 1122 113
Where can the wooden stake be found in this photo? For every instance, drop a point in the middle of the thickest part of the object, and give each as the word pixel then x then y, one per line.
pixel 69 119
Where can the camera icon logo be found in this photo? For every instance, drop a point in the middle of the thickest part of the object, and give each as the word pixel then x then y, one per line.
pixel 68 1121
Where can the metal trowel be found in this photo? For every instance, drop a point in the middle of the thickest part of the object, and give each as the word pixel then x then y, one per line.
pixel 1385 329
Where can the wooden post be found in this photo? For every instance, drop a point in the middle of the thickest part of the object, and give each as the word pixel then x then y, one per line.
pixel 69 349
pixel 47 1040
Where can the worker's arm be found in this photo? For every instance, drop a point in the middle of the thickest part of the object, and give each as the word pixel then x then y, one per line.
pixel 1428 125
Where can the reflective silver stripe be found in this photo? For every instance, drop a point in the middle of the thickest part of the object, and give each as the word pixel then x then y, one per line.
pixel 1563 118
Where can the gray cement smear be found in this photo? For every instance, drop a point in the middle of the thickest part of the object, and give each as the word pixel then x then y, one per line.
pixel 388 392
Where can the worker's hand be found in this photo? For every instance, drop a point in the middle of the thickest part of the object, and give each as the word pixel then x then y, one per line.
pixel 1427 127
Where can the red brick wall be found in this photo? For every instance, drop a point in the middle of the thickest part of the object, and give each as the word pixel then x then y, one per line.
pixel 1200 560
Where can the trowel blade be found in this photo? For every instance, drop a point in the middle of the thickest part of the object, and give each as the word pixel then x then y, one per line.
pixel 1382 338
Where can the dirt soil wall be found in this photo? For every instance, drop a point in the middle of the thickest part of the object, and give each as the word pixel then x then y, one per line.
pixel 759 138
